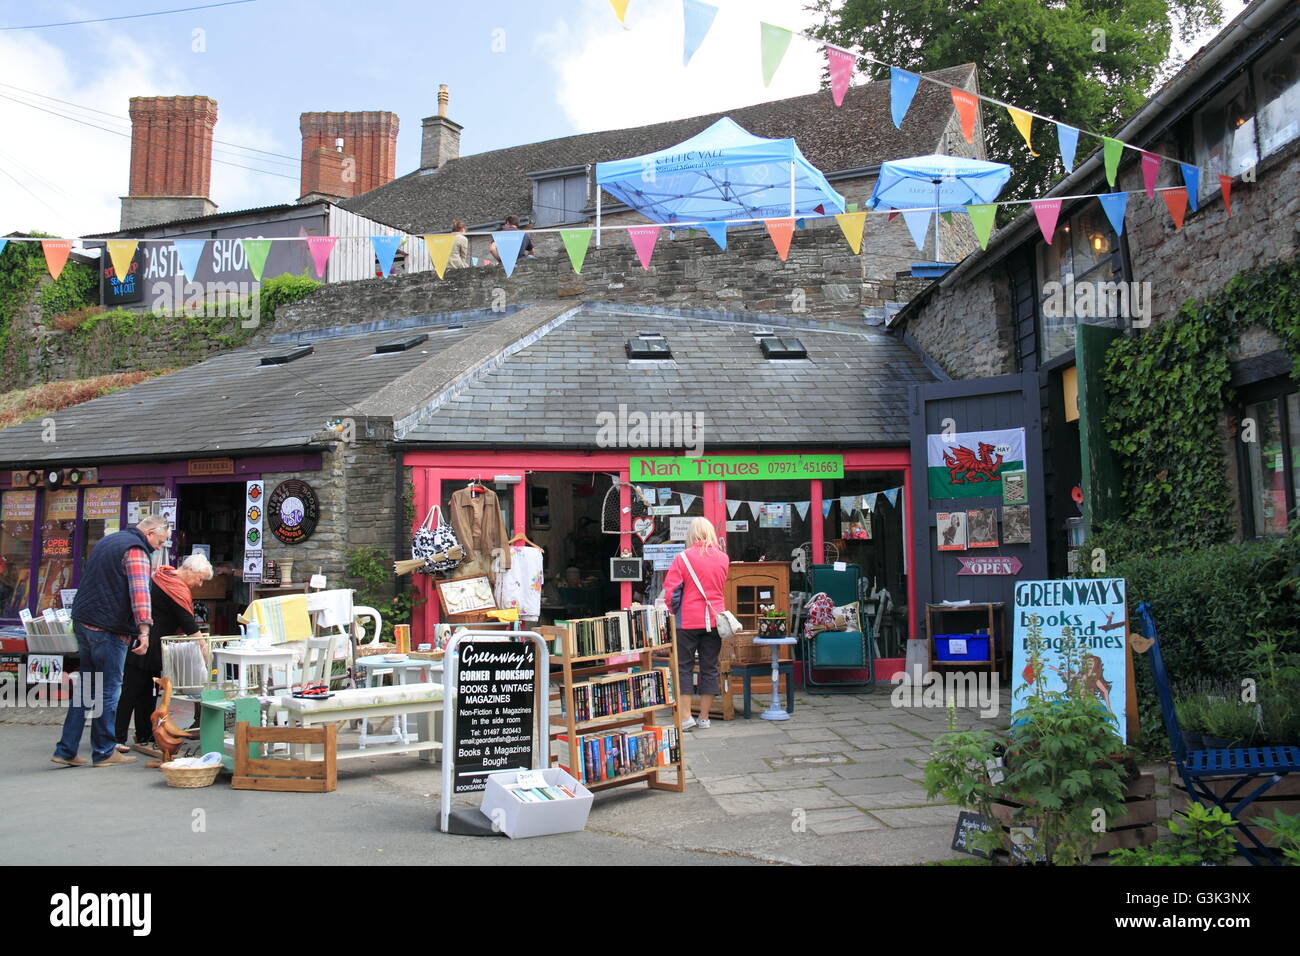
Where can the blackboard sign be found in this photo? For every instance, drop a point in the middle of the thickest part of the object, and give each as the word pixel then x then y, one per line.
pixel 495 706
pixel 969 824
pixel 118 290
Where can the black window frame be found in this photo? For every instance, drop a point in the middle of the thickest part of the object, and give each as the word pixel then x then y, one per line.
pixel 1277 391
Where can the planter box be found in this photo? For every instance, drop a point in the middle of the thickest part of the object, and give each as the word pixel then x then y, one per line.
pixel 1133 828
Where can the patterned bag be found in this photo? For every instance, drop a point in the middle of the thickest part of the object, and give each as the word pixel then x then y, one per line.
pixel 436 543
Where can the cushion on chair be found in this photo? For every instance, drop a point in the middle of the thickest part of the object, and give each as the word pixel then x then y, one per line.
pixel 365 697
pixel 845 650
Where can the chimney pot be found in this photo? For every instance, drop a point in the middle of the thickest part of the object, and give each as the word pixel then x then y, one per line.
pixel 443 97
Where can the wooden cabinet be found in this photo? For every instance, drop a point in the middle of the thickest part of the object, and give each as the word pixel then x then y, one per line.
pixel 751 583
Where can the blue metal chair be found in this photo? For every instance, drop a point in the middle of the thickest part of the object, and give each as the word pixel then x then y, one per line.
pixel 1199 767
pixel 837 650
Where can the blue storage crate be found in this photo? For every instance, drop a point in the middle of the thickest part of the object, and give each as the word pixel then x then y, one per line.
pixel 977 648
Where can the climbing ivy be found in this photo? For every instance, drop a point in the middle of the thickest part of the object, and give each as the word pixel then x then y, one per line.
pixel 21 266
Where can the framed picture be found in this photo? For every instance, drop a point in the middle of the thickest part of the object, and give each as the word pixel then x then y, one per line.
pixel 625 569
pixel 951 529
pixel 1015 524
pixel 982 528
pixel 464 595
pixel 1014 489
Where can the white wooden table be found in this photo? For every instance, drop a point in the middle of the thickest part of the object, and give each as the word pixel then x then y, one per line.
pixel 246 658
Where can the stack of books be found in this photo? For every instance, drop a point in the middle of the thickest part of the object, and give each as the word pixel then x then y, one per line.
pixel 539 794
pixel 605 698
pixel 618 632
pixel 607 756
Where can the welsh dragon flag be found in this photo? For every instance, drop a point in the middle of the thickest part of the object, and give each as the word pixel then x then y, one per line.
pixel 970 464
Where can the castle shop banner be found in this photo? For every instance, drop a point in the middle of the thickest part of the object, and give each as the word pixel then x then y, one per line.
pixel 970 464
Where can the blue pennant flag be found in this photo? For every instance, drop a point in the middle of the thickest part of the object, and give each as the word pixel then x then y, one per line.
pixel 1067 137
pixel 385 250
pixel 826 508
pixel 1115 205
pixel 892 495
pixel 509 242
pixel 1192 177
pixel 189 251
pixel 918 224
pixel 902 87
pixel 698 17
pixel 717 232
pixel 3 243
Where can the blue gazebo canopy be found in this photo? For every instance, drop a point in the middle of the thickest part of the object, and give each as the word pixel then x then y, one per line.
pixel 948 182
pixel 721 173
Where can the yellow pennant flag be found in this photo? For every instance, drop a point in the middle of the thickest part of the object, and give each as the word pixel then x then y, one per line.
pixel 1024 122
pixel 620 8
pixel 439 247
pixel 851 224
pixel 120 253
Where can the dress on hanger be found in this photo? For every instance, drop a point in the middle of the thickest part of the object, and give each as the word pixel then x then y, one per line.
pixel 520 585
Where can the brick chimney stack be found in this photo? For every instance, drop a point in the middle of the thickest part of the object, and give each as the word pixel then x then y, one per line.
pixel 329 174
pixel 441 141
pixel 370 140
pixel 171 159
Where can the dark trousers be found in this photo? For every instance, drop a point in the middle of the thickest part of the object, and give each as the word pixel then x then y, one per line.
pixel 138 699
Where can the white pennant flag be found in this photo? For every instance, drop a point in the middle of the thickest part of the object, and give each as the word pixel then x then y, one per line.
pixel 733 507
pixel 802 507
pixel 687 500
pixel 871 500
pixel 753 508
pixel 849 504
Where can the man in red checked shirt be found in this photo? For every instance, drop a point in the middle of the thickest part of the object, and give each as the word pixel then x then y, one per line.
pixel 110 616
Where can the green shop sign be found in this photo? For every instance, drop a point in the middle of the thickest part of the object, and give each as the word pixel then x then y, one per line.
pixel 736 467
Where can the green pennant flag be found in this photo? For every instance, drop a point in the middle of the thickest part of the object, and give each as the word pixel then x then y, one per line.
pixel 255 251
pixel 775 40
pixel 1111 151
pixel 575 243
pixel 981 218
pixel 946 215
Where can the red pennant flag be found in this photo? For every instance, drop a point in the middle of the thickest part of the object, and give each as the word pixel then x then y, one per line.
pixel 781 230
pixel 967 105
pixel 1225 187
pixel 840 64
pixel 1176 201
pixel 819 209
pixel 56 255
pixel 891 216
pixel 1046 211
pixel 1150 169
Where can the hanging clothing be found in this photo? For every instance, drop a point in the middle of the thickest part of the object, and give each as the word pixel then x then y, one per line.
pixel 478 524
pixel 520 585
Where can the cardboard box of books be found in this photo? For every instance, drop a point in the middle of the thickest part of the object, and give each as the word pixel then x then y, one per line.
pixel 528 803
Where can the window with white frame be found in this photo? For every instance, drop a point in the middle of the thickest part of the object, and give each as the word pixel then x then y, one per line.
pixel 1225 136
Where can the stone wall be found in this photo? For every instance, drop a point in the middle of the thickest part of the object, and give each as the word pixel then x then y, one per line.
pixel 967 328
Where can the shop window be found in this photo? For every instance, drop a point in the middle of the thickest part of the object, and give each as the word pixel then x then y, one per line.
pixel 1277 80
pixel 101 515
pixel 1272 463
pixel 1225 136
pixel 16 527
pixel 1084 252
pixel 666 533
pixel 58 527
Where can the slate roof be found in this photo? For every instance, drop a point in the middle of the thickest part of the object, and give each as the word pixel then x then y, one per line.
pixel 486 187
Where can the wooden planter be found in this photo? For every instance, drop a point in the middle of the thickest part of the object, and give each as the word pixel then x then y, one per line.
pixel 1135 827
pixel 1283 796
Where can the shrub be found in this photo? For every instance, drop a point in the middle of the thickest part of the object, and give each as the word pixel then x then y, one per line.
pixel 372 569
pixel 1197 837
pixel 284 289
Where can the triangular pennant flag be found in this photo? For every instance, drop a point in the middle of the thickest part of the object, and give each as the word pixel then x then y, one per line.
pixel 892 495
pixel 852 224
pixel 981 220
pixel 575 244
pixel 1192 178
pixel 687 500
pixel 902 87
pixel 1225 187
pixel 946 216
pixel 439 246
pixel 1176 203
pixel 801 223
pixel 620 8
pixel 320 248
pixel 188 253
pixel 717 232
pixel 733 507
pixel 1067 138
pixel 820 209
pixel 849 504
pixel 918 224
pixel 509 242
pixel 56 255
pixel 1111 150
pixel 698 18
pixel 255 252
pixel 871 500
pixel 1047 211
pixel 967 106
pixel 1115 205
pixel 3 243
pixel 826 508
pixel 120 254
pixel 839 63
pixel 1150 170
pixel 643 241
pixel 892 216
pixel 775 41
pixel 386 249
pixel 754 507
pixel 802 507
pixel 780 230
pixel 1025 124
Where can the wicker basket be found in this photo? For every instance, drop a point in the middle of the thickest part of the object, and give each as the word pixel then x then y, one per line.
pixel 190 777
pixel 370 650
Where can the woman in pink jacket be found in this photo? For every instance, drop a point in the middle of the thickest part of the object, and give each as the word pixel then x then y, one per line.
pixel 696 607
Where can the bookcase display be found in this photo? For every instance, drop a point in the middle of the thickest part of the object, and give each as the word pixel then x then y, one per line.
pixel 616 675
pixel 966 635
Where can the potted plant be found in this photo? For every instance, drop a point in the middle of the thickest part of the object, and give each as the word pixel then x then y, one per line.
pixel 1229 723
pixel 1198 836
pixel 772 624
pixel 1286 827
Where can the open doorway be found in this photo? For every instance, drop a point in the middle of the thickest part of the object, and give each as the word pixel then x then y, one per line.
pixel 210 518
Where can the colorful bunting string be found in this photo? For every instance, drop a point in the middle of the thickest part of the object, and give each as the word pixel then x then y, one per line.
pixel 967 108
pixel 981 220
pixel 320 248
pixel 1176 202
pixel 386 251
pixel 852 225
pixel 1024 122
pixel 620 10
pixel 643 240
pixel 509 243
pixel 1225 187
pixel 120 254
pixel 1047 211
pixel 1150 170
pixel 1115 205
pixel 1067 139
pixel 56 255
pixel 189 252
pixel 902 87
pixel 576 242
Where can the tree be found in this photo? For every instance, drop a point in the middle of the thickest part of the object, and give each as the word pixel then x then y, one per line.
pixel 1089 63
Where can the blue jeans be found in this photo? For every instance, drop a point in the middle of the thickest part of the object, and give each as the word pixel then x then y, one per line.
pixel 102 654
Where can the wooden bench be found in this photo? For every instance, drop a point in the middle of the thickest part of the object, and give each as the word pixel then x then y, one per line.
pixel 422 701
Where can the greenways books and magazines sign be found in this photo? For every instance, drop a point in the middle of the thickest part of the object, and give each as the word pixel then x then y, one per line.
pixel 970 464
pixel 1093 612
pixel 736 467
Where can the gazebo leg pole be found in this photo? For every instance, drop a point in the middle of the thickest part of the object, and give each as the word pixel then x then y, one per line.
pixel 792 189
pixel 597 216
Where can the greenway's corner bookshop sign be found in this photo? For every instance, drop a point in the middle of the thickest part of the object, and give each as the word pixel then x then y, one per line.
pixel 736 467
pixel 1093 611
pixel 495 706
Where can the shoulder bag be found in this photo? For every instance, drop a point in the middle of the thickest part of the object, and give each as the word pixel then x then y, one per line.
pixel 728 624
pixel 436 543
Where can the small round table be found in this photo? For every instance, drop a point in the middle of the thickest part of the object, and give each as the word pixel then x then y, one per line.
pixel 776 711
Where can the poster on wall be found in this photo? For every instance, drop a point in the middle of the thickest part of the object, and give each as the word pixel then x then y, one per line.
pixel 774 514
pixel 1015 490
pixel 661 556
pixel 677 527
pixel 166 508
pixel 951 530
pixel 101 504
pixel 739 527
pixel 61 505
pixel 254 492
pixel 19 506
pixel 292 511
pixel 134 512
pixel 971 464
pixel 1015 524
pixel 44 668
pixel 1092 611
pixel 982 528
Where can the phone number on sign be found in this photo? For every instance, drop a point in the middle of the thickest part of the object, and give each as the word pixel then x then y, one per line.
pixel 802 467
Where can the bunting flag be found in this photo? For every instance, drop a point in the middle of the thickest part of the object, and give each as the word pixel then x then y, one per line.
pixel 3 243
pixel 120 254
pixel 1115 205
pixel 902 87
pixel 801 224
pixel 620 9
pixel 892 216
pixel 775 41
pixel 189 252
pixel 946 216
pixel 1067 140
pixel 697 18
pixel 255 252
pixel 439 246
pixel 871 500
pixel 320 248
pixel 576 242
pixel 733 507
pixel 1025 124
pixel 967 106
pixel 802 507
pixel 1176 202
pixel 1111 150
pixel 56 255
pixel 1046 211
pixel 1150 170
pixel 918 224
pixel 981 220
pixel 840 64
pixel 892 495
pixel 1225 187
pixel 848 505
pixel 386 249
pixel 687 500
pixel 509 242
pixel 754 507
pixel 852 224
pixel 780 230
pixel 717 232
pixel 643 241
pixel 1192 179
pixel 826 508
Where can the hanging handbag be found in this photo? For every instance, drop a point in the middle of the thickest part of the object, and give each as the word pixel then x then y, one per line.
pixel 436 544
pixel 727 623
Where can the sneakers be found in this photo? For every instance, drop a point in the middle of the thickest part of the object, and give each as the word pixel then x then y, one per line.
pixel 689 723
pixel 113 760
pixel 69 761
pixel 703 723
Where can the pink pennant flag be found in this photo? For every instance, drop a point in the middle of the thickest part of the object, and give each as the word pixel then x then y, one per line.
pixel 1047 211
pixel 1150 169
pixel 1176 202
pixel 320 248
pixel 840 63
pixel 1225 187
pixel 643 240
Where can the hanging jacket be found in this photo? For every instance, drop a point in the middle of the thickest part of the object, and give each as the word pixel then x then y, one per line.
pixel 478 524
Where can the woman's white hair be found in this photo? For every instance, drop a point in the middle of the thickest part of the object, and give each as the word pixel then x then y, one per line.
pixel 199 565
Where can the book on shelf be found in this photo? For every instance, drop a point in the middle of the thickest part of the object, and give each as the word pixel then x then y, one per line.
pixel 617 632
pixel 610 696
pixel 606 756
